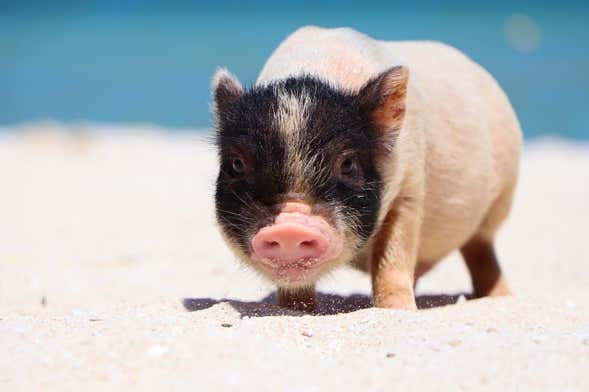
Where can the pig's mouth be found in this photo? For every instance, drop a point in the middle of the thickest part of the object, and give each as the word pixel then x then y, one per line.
pixel 291 272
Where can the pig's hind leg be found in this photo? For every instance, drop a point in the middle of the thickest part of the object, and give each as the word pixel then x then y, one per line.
pixel 479 252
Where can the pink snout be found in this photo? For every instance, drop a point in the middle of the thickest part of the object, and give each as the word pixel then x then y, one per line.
pixel 290 242
pixel 298 240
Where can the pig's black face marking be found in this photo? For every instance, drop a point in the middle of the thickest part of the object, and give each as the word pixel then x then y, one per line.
pixel 298 136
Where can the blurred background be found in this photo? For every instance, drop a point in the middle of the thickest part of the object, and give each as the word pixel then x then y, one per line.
pixel 151 61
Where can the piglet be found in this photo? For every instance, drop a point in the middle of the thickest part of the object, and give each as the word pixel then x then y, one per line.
pixel 386 156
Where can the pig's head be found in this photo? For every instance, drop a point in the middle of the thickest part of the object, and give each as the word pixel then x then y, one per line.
pixel 300 184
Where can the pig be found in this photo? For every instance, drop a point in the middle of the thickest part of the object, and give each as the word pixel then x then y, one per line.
pixel 383 155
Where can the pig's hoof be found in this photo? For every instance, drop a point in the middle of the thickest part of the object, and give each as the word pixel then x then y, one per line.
pixel 498 289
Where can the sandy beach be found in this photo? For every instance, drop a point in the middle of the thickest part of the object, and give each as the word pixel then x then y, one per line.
pixel 113 277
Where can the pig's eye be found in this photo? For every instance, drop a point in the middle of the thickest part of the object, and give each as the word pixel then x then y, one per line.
pixel 238 166
pixel 348 169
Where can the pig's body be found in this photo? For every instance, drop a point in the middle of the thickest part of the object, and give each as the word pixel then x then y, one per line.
pixel 457 154
pixel 386 155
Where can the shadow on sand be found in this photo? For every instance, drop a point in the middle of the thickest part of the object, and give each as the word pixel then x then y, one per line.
pixel 328 304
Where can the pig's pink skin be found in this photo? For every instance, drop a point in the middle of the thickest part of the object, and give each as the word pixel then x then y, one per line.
pixel 297 244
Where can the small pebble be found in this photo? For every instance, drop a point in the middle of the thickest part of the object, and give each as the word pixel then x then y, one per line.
pixel 455 342
pixel 226 325
pixel 492 330
pixel 391 355
pixel 306 334
pixel 94 319
pixel 43 301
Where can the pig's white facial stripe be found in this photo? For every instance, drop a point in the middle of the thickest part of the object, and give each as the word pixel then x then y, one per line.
pixel 292 113
pixel 290 119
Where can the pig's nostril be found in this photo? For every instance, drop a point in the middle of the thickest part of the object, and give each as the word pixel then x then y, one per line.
pixel 272 244
pixel 308 244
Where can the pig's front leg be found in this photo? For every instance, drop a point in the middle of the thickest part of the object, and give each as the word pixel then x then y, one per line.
pixel 301 299
pixel 394 257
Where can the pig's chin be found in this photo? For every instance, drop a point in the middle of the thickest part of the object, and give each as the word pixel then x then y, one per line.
pixel 293 274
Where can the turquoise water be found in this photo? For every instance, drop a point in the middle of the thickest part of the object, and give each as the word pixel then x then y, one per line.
pixel 129 62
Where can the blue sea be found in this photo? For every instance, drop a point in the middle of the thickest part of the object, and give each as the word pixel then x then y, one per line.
pixel 152 61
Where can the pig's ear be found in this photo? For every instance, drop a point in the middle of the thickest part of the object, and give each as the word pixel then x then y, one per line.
pixel 384 99
pixel 226 89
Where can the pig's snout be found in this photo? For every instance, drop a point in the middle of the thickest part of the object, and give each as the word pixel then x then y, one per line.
pixel 289 242
pixel 298 239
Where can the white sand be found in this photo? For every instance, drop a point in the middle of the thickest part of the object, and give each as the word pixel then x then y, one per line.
pixel 113 231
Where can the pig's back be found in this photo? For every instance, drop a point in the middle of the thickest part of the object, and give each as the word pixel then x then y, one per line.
pixel 342 56
pixel 459 117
